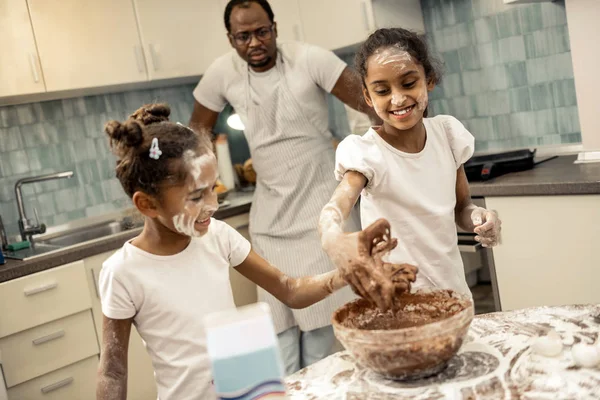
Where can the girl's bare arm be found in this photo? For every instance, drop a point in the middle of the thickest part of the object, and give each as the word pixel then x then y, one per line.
pixel 359 255
pixel 293 292
pixel 112 370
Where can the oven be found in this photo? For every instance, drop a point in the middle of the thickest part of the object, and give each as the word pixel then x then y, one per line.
pixel 478 261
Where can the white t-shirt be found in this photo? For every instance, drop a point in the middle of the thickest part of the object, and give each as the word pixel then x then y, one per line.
pixel 309 72
pixel 416 193
pixel 169 296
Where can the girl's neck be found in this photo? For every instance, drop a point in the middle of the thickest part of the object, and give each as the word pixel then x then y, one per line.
pixel 409 141
pixel 157 239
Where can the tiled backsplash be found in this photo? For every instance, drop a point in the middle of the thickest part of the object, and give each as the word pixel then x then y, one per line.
pixel 508 71
pixel 68 134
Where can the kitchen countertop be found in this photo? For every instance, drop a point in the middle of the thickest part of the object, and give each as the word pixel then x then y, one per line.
pixel 239 203
pixel 495 362
pixel 558 176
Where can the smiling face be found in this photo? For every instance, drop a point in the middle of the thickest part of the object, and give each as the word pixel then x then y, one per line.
pixel 187 208
pixel 396 87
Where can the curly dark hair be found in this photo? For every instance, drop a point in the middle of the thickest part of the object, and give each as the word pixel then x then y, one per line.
pixel 411 42
pixel 245 4
pixel 131 140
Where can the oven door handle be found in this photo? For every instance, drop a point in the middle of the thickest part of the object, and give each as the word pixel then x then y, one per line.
pixel 469 246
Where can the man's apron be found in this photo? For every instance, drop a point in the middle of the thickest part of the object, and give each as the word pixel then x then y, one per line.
pixel 294 161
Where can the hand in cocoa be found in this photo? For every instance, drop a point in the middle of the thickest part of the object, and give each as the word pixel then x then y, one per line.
pixel 359 257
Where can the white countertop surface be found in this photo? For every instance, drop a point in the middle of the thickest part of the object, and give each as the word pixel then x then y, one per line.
pixel 495 362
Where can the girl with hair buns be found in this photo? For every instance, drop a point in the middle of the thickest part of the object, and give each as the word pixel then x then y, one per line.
pixel 177 270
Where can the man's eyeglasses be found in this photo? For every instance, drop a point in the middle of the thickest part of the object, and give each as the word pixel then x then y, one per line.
pixel 244 38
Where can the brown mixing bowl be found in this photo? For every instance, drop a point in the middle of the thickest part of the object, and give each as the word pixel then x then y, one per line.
pixel 424 334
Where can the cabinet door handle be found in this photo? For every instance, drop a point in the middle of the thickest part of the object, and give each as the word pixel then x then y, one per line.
pixel 366 15
pixel 40 289
pixel 153 56
pixel 34 68
pixel 57 385
pixel 139 57
pixel 48 338
pixel 95 283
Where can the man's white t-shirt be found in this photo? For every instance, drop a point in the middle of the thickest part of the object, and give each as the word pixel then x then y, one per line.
pixel 416 193
pixel 168 297
pixel 309 71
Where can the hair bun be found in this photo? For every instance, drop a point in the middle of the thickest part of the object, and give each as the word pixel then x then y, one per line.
pixel 152 113
pixel 128 134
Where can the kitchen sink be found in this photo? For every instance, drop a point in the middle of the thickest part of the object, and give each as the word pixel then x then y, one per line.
pixel 82 235
pixel 36 250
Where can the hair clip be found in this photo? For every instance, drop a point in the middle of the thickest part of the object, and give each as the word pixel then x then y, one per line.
pixel 155 152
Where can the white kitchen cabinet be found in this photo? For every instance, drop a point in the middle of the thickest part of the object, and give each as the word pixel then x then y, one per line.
pixel 335 24
pixel 87 43
pixel 140 380
pixel 20 71
pixel 181 37
pixel 74 382
pixel 549 252
pixel 287 16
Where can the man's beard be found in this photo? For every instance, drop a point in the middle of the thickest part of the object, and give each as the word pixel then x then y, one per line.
pixel 260 64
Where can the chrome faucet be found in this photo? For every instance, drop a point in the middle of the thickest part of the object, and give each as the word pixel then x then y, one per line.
pixel 25 227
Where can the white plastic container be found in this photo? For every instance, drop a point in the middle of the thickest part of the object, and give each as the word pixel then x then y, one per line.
pixel 244 353
pixel 226 173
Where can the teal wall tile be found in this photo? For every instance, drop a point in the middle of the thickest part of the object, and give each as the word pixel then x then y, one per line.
pixel 75 128
pixel 502 126
pixel 48 111
pixel 481 105
pixel 10 139
pixel 439 107
pixel 451 62
pixel 35 166
pixel 568 120
pixel 498 103
pixel 511 49
pixel 520 99
pixel 541 96
pixel 564 93
pixel 8 117
pixel 437 92
pixel 496 78
pixel 95 104
pixel 18 160
pixel 25 114
pixel 508 24
pixel 488 54
pixel 547 140
pixel 452 85
pixel 571 138
pixel 469 58
pixel 531 18
pixel 548 69
pixel 74 107
pixel 486 29
pixel 461 107
pixel 482 128
pixel 517 74
pixel 546 42
pixel 473 82
pixel 553 13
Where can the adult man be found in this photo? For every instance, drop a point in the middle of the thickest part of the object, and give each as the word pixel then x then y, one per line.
pixel 279 91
